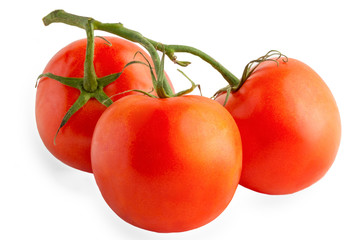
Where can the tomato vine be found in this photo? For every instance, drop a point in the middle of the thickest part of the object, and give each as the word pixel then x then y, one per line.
pixel 60 16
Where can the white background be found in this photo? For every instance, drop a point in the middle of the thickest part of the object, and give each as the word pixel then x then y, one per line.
pixel 41 198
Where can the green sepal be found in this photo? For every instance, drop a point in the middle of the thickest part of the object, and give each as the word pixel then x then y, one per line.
pixel 79 103
pixel 107 42
pixel 105 100
pixel 101 96
pixel 228 89
pixel 252 65
pixel 68 81
pixel 189 90
pixel 153 77
pixel 104 81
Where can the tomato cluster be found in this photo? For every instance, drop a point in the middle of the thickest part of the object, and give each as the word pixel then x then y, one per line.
pixel 172 162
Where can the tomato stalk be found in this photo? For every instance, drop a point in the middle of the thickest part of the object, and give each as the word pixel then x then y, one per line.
pixel 170 50
pixel 90 79
pixel 150 45
pixel 93 86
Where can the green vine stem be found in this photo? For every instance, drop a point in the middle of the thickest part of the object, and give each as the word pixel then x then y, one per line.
pixel 170 50
pixel 150 45
pixel 162 86
pixel 90 79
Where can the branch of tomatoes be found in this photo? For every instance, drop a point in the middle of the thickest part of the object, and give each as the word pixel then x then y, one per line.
pixel 287 117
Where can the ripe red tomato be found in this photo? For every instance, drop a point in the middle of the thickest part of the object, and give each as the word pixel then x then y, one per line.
pixel 53 99
pixel 289 125
pixel 166 165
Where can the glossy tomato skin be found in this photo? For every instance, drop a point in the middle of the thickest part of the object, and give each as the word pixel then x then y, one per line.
pixel 289 124
pixel 166 165
pixel 53 99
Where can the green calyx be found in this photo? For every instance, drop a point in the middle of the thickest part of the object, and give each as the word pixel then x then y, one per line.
pixel 90 86
pixel 248 70
pixel 85 95
pixel 159 82
pixel 252 65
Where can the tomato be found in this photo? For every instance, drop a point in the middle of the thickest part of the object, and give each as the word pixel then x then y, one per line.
pixel 53 99
pixel 289 124
pixel 166 165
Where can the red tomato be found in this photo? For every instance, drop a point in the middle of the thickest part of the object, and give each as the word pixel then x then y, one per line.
pixel 166 165
pixel 289 125
pixel 53 99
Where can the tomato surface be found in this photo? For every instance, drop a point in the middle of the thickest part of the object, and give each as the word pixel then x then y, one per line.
pixel 53 99
pixel 166 165
pixel 289 124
